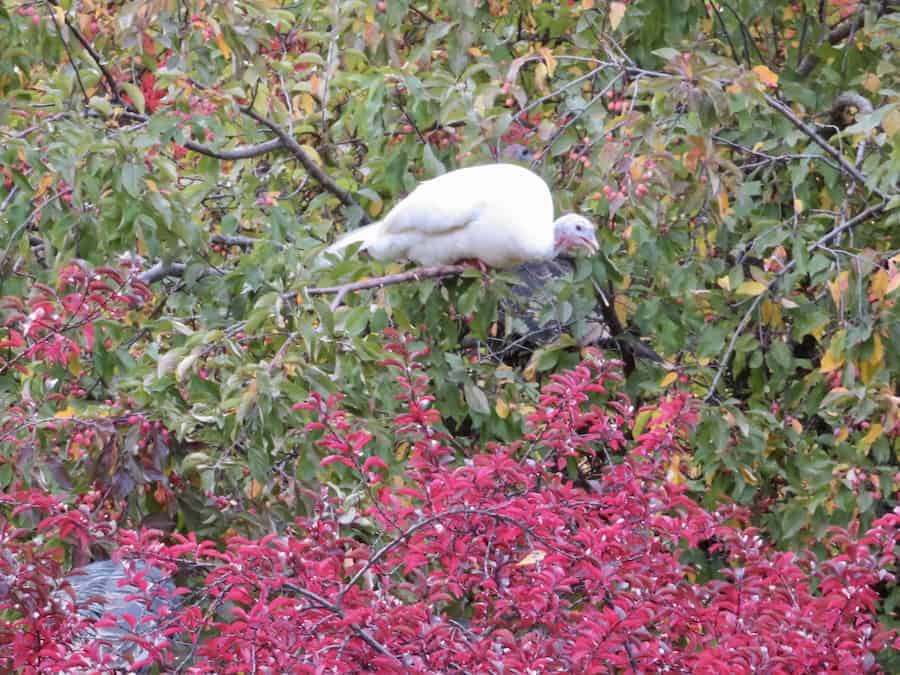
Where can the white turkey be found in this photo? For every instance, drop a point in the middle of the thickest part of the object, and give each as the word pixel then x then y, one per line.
pixel 499 214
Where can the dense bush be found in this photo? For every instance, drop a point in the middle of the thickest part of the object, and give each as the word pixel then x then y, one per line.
pixel 493 563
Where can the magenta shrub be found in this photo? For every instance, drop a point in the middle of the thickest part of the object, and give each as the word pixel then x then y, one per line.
pixel 496 563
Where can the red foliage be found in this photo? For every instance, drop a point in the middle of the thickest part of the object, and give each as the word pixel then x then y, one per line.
pixel 490 564
pixel 57 325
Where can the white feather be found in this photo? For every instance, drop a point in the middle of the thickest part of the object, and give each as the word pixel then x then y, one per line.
pixel 501 214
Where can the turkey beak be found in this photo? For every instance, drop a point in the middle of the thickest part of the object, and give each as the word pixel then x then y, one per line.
pixel 589 242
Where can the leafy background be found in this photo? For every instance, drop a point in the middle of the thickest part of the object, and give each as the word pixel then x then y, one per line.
pixel 186 162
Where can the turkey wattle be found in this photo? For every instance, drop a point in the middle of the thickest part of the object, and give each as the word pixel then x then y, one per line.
pixel 500 214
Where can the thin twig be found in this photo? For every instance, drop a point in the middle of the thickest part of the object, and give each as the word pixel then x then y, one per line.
pixel 89 48
pixel 291 144
pixel 335 609
pixel 68 49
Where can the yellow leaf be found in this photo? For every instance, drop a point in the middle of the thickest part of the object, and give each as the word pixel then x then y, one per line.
pixel 879 284
pixel 830 361
pixel 842 434
pixel 771 314
pixel 620 306
pixel 587 4
pixel 475 51
pixel 636 170
pixel 748 475
pixel 839 286
pixel 315 84
pixel 65 413
pixel 45 182
pixel 724 283
pixel 872 83
pixel 799 207
pixel 540 78
pixel 616 14
pixel 752 288
pixel 724 208
pixel 549 60
pixel 501 407
pixel 151 185
pixel 530 371
pixel 893 284
pixel 532 558
pixel 734 88
pixel 640 422
pixel 869 367
pixel 305 102
pixel 891 123
pixel 255 489
pixel 766 76
pixel 869 439
pixel 401 451
pixel 223 47
pixel 668 379
pixel 673 472
pixel 313 154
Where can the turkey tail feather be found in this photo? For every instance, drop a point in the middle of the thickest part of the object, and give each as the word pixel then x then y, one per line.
pixel 365 235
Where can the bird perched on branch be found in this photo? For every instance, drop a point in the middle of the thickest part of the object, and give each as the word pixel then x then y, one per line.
pixel 498 214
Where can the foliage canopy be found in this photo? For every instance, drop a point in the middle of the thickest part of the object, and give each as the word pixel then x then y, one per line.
pixel 169 173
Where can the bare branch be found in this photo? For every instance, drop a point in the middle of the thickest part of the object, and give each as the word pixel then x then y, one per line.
pixel 162 270
pixel 89 48
pixel 417 274
pixel 846 166
pixel 242 241
pixel 240 152
pixel 312 168
pixel 836 35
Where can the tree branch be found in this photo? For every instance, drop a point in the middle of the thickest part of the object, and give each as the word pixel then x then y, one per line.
pixel 836 35
pixel 89 48
pixel 417 274
pixel 847 167
pixel 240 152
pixel 162 270
pixel 242 241
pixel 311 167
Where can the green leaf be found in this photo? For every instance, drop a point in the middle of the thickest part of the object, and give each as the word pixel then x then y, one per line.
pixel 136 96
pixel 356 320
pixel 433 166
pixel 260 466
pixel 476 399
pixel 101 105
